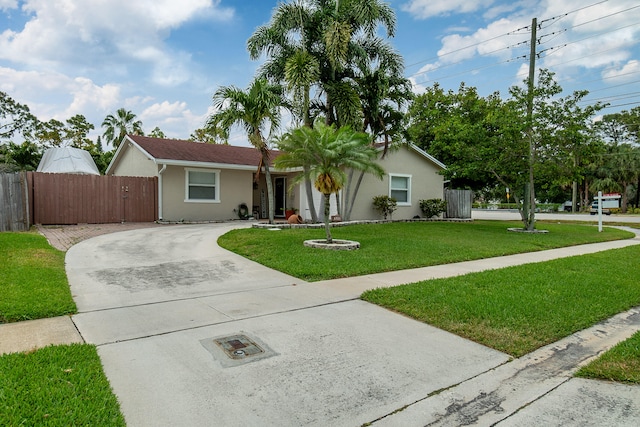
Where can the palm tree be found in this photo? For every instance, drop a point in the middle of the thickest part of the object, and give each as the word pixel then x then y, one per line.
pixel 253 110
pixel 118 126
pixel 331 45
pixel 339 34
pixel 328 152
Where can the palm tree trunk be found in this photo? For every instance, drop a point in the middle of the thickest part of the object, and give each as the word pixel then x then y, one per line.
pixel 308 189
pixel 270 198
pixel 327 206
pixel 354 193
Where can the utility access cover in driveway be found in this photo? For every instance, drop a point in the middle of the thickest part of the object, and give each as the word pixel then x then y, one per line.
pixel 233 350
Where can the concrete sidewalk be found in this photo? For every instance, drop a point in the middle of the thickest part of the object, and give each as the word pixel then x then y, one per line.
pixel 156 301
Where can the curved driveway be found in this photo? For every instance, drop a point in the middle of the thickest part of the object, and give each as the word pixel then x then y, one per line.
pixel 155 301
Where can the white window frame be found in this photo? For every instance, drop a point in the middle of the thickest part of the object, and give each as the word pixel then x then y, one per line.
pixel 216 172
pixel 408 189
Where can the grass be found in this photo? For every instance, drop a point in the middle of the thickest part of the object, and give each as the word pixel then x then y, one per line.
pixel 397 246
pixel 621 363
pixel 519 309
pixel 33 282
pixel 56 386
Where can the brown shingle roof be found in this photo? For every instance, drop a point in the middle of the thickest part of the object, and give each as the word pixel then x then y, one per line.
pixel 175 149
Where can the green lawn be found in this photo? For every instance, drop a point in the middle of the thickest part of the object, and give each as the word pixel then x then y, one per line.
pixel 56 386
pixel 33 282
pixel 621 363
pixel 397 246
pixel 519 309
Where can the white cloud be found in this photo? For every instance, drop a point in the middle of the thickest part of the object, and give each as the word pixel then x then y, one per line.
pixel 8 4
pixel 54 95
pixel 423 9
pixel 95 34
pixel 627 72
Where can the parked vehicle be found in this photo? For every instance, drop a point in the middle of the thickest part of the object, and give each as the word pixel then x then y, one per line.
pixel 594 209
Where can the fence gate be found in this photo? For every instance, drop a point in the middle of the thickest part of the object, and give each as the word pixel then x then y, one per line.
pixel 14 203
pixel 459 203
pixel 93 199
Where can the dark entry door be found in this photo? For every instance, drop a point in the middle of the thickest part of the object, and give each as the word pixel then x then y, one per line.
pixel 280 195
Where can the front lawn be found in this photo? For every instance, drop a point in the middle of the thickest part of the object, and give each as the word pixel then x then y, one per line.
pixel 56 386
pixel 401 245
pixel 519 309
pixel 33 282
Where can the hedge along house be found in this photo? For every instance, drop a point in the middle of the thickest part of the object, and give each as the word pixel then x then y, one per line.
pixel 203 182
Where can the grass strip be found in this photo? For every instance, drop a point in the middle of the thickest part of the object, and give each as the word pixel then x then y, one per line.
pixel 519 309
pixel 621 363
pixel 56 386
pixel 401 245
pixel 33 282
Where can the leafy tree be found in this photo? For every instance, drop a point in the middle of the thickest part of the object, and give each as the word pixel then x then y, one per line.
pixel 157 133
pixel 209 135
pixel 328 152
pixel 15 118
pixel 51 133
pixel 77 131
pixel 252 109
pixel 119 125
pixel 15 157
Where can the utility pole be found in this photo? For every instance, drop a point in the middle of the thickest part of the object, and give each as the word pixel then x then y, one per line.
pixel 530 195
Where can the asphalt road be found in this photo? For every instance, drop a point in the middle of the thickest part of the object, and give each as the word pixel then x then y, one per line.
pixel 513 215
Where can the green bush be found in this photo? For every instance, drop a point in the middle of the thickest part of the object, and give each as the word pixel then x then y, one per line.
pixel 433 207
pixel 385 205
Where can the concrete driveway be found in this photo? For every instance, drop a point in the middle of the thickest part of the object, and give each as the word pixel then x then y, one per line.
pixel 192 335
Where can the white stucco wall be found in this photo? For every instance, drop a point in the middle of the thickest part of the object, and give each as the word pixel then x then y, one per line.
pixel 132 162
pixel 425 182
pixel 235 187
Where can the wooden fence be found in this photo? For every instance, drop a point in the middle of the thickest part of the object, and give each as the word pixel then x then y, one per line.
pixel 459 203
pixel 50 198
pixel 14 209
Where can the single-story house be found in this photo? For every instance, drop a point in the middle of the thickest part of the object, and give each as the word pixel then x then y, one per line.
pixel 206 182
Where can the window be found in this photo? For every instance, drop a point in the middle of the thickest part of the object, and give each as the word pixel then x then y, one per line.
pixel 400 189
pixel 202 185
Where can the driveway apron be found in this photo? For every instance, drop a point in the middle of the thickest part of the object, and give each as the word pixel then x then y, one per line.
pixel 162 304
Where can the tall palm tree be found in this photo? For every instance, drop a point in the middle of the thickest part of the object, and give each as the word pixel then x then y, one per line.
pixel 329 153
pixel 254 109
pixel 339 34
pixel 119 125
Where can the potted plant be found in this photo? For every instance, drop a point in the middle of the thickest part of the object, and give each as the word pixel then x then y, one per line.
pixel 290 211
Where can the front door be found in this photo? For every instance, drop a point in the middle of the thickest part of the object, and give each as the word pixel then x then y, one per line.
pixel 280 196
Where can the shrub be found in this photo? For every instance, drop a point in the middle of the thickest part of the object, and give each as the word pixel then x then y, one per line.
pixel 385 205
pixel 433 207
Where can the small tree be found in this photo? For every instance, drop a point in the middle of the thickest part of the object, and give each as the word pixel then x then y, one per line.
pixel 385 205
pixel 327 152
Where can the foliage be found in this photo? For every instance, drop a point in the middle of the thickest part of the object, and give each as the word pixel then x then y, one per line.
pixel 57 386
pixel 517 316
pixel 385 205
pixel 621 363
pixel 117 126
pixel 402 245
pixel 157 133
pixel 324 153
pixel 488 142
pixel 15 118
pixel 33 283
pixel 15 157
pixel 433 207
pixel 254 110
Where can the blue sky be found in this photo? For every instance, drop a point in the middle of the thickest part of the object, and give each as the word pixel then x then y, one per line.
pixel 163 59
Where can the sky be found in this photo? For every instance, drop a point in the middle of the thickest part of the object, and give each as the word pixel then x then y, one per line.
pixel 164 59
